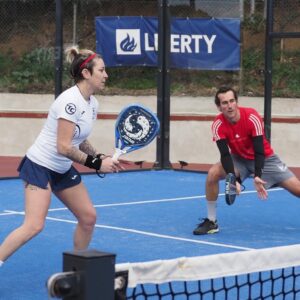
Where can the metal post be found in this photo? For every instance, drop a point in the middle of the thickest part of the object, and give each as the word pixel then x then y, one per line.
pixel 265 9
pixel 58 47
pixel 163 86
pixel 75 22
pixel 252 8
pixel 242 10
pixel 268 70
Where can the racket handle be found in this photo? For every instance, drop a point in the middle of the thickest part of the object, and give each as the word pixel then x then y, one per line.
pixel 118 153
pixel 230 188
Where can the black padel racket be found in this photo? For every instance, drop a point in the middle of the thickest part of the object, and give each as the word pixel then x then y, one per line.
pixel 230 188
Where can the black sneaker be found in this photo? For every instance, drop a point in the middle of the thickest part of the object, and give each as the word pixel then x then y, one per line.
pixel 206 227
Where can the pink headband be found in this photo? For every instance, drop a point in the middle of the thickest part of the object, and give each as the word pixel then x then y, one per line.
pixel 87 60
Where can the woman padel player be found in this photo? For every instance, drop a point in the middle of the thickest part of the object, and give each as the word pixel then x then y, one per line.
pixel 47 166
pixel 239 135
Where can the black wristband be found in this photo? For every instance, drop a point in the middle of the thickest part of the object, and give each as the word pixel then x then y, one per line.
pixel 93 162
pixel 100 154
pixel 238 179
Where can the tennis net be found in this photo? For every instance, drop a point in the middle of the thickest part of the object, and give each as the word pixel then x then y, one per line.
pixel 270 273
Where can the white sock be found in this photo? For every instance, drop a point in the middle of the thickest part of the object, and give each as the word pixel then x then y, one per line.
pixel 211 210
pixel 1 263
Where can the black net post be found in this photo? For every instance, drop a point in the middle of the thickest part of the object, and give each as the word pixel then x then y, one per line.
pixel 268 70
pixel 163 86
pixel 270 36
pixel 97 271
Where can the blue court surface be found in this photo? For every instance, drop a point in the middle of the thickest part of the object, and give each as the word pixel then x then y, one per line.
pixel 142 216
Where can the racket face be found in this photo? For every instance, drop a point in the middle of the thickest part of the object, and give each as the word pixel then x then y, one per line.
pixel 230 188
pixel 136 126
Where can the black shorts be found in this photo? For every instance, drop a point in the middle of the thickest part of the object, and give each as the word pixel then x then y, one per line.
pixel 40 176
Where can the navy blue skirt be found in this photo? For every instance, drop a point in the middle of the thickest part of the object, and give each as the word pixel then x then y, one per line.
pixel 40 176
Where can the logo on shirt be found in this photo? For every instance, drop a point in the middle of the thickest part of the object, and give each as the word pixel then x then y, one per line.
pixel 70 108
pixel 76 132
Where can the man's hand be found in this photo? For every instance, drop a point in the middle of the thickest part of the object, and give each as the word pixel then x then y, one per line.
pixel 238 187
pixel 260 188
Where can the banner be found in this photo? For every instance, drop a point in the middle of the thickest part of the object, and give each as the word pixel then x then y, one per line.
pixel 205 44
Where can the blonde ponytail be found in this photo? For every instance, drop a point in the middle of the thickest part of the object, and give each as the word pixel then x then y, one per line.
pixel 71 53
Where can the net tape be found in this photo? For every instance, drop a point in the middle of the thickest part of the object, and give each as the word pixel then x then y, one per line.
pixel 210 266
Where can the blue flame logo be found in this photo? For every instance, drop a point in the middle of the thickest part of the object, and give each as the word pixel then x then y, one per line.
pixel 128 45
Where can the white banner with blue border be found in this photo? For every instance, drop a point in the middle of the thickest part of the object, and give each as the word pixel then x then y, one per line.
pixel 205 44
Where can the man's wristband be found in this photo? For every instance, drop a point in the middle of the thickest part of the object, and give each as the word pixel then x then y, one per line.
pixel 93 162
pixel 258 173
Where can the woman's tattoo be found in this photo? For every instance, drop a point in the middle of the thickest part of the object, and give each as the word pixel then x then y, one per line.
pixel 31 187
pixel 76 155
pixel 87 148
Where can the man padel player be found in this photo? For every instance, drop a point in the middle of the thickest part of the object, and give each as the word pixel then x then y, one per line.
pixel 47 166
pixel 239 135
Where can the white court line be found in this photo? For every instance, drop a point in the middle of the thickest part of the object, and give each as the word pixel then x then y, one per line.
pixel 150 201
pixel 146 233
pixel 7 212
pixel 139 202
pixel 174 237
pixel 162 200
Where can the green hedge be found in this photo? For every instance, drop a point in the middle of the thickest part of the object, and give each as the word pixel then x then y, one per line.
pixel 34 72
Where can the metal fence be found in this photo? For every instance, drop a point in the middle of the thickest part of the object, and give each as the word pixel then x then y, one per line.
pixel 27 30
pixel 35 19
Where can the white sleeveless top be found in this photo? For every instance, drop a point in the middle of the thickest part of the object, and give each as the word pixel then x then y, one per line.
pixel 70 105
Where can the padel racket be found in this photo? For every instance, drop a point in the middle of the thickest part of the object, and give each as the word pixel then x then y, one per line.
pixel 136 126
pixel 230 188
